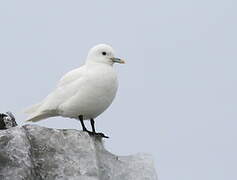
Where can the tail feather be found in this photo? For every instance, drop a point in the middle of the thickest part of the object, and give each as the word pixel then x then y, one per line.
pixel 32 109
pixel 38 117
pixel 37 112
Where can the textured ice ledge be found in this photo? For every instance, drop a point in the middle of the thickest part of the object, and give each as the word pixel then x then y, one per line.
pixel 32 152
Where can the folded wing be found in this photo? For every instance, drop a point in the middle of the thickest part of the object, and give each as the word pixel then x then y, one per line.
pixel 49 106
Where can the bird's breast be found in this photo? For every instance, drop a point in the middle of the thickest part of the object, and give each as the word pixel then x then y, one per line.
pixel 94 95
pixel 103 86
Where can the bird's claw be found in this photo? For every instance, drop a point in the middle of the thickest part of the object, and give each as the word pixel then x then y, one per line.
pixel 101 135
pixel 96 134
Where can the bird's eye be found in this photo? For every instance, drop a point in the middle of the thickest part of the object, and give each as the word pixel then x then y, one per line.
pixel 104 53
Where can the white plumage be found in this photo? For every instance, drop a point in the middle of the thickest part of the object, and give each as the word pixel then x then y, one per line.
pixel 87 90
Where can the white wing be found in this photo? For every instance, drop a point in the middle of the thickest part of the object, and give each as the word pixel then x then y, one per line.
pixel 60 94
pixel 71 76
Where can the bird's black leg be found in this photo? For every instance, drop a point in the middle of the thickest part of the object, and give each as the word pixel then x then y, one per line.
pixel 93 125
pixel 93 129
pixel 82 123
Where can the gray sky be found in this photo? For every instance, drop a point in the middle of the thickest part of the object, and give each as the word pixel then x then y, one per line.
pixel 177 95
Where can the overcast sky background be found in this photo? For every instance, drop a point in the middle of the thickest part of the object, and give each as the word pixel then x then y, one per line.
pixel 177 95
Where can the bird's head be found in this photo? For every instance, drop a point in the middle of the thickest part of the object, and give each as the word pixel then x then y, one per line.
pixel 103 53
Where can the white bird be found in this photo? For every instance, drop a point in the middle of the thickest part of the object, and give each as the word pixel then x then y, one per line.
pixel 83 93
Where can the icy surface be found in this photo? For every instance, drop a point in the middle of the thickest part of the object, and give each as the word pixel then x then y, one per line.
pixel 37 153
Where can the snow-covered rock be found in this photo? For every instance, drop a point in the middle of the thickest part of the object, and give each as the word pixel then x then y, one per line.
pixel 32 152
pixel 7 120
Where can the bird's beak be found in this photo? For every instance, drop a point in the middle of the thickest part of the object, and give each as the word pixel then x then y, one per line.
pixel 117 60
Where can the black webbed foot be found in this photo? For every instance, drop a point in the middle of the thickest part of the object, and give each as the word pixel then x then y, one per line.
pixel 101 135
pixel 91 133
pixel 95 134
